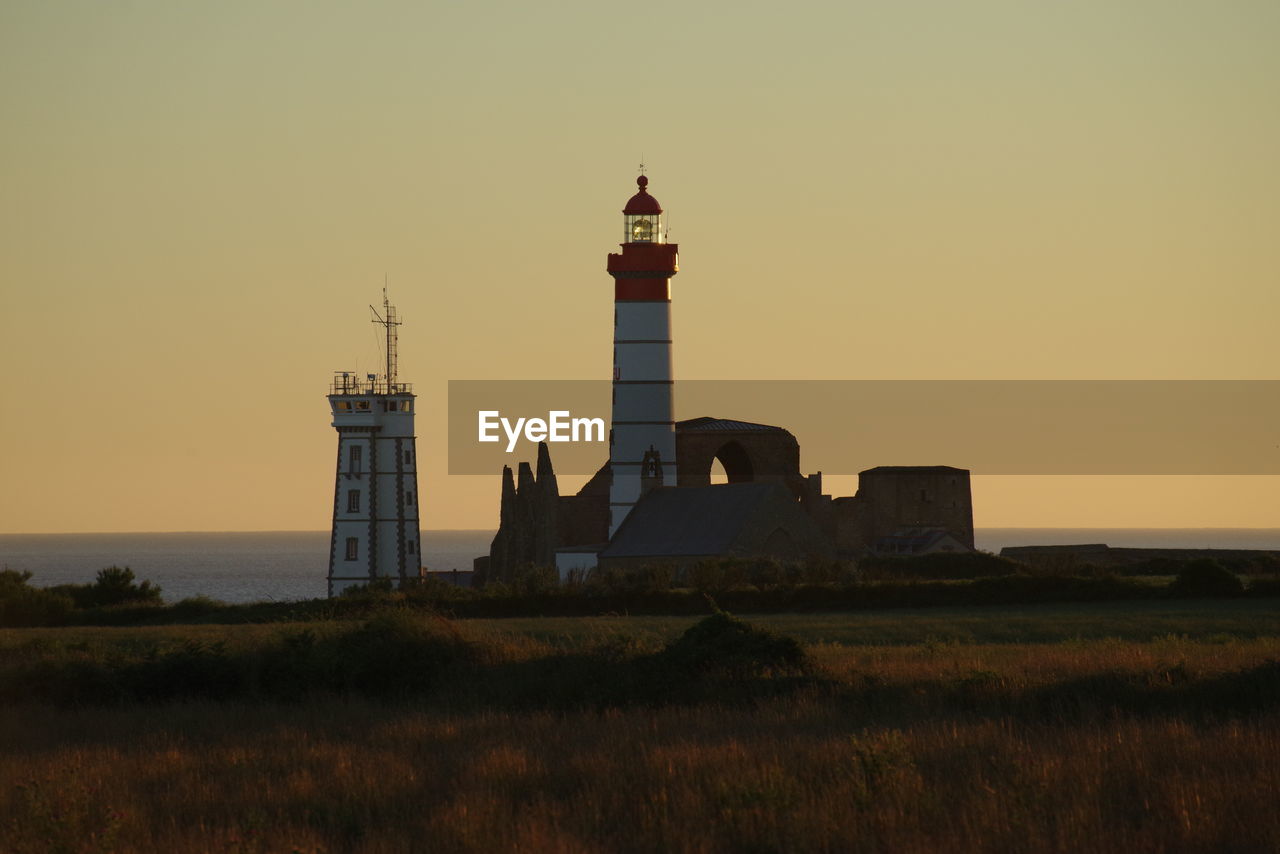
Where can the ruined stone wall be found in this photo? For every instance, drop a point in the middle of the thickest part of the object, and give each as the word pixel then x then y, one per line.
pixel 891 498
pixel 528 522
pixel 763 457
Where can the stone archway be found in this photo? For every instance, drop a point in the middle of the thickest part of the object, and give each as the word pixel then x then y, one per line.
pixel 747 453
pixel 736 462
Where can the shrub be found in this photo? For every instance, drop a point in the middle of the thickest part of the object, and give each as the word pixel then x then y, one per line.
pixel 613 581
pixel 196 606
pixel 1206 577
pixel 378 588
pixel 727 573
pixel 1264 586
pixel 114 586
pixel 24 605
pixel 725 645
pixel 535 580
pixel 939 566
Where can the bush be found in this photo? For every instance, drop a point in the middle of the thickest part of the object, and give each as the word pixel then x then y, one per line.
pixel 939 566
pixel 22 605
pixel 1206 577
pixel 196 606
pixel 113 586
pixel 1264 586
pixel 723 644
pixel 395 654
pixel 535 580
pixel 612 581
pixel 715 575
pixel 378 588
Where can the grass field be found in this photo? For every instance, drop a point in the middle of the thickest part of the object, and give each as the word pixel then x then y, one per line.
pixel 1143 726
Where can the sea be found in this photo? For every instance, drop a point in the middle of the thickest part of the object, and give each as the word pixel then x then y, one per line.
pixel 278 566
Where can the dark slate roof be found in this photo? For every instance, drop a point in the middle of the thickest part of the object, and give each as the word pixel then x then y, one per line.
pixel 726 424
pixel 915 470
pixel 675 521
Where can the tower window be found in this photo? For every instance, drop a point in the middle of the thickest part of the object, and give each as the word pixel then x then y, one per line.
pixel 353 501
pixel 355 458
pixel 409 546
pixel 408 456
pixel 353 547
pixel 408 497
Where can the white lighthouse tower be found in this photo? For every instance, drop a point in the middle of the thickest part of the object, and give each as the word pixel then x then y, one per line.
pixel 375 494
pixel 642 438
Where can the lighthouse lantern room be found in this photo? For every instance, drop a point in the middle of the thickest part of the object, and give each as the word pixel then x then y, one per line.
pixel 375 532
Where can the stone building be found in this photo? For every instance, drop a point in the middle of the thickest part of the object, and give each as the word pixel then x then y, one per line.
pixel 899 510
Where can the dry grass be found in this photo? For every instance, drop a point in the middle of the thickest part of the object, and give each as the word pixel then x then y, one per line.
pixel 926 747
pixel 787 776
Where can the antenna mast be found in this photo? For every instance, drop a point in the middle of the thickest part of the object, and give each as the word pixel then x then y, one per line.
pixel 390 320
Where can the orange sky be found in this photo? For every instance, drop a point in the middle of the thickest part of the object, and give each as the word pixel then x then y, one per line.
pixel 199 201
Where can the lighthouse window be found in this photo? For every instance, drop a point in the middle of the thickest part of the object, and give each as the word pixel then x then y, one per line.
pixel 353 547
pixel 343 406
pixel 408 456
pixel 362 405
pixel 644 228
pixel 356 456
pixel 409 546
pixel 353 501
pixel 408 497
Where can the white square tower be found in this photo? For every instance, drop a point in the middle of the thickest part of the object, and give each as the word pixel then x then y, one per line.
pixel 375 530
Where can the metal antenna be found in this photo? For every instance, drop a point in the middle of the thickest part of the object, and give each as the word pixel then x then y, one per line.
pixel 390 321
pixel 641 164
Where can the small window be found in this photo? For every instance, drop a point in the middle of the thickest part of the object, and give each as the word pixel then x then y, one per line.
pixel 408 456
pixel 343 406
pixel 362 405
pixel 353 547
pixel 408 497
pixel 353 501
pixel 409 546
pixel 355 458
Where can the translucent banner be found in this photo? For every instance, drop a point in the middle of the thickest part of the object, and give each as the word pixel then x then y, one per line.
pixel 996 427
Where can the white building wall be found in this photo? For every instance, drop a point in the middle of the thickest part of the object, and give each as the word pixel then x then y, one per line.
pixel 643 321
pixel 643 393
pixel 642 361
pixel 386 523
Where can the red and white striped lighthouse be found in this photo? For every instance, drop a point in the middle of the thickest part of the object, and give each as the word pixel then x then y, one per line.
pixel 642 439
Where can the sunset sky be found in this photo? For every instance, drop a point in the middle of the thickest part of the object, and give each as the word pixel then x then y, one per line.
pixel 199 200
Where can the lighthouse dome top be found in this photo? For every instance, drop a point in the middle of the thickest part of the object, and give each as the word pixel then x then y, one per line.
pixel 642 202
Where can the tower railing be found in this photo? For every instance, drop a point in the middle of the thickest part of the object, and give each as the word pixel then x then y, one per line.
pixel 348 382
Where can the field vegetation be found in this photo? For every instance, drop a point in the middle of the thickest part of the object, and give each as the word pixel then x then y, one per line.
pixel 1149 725
pixel 741 586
